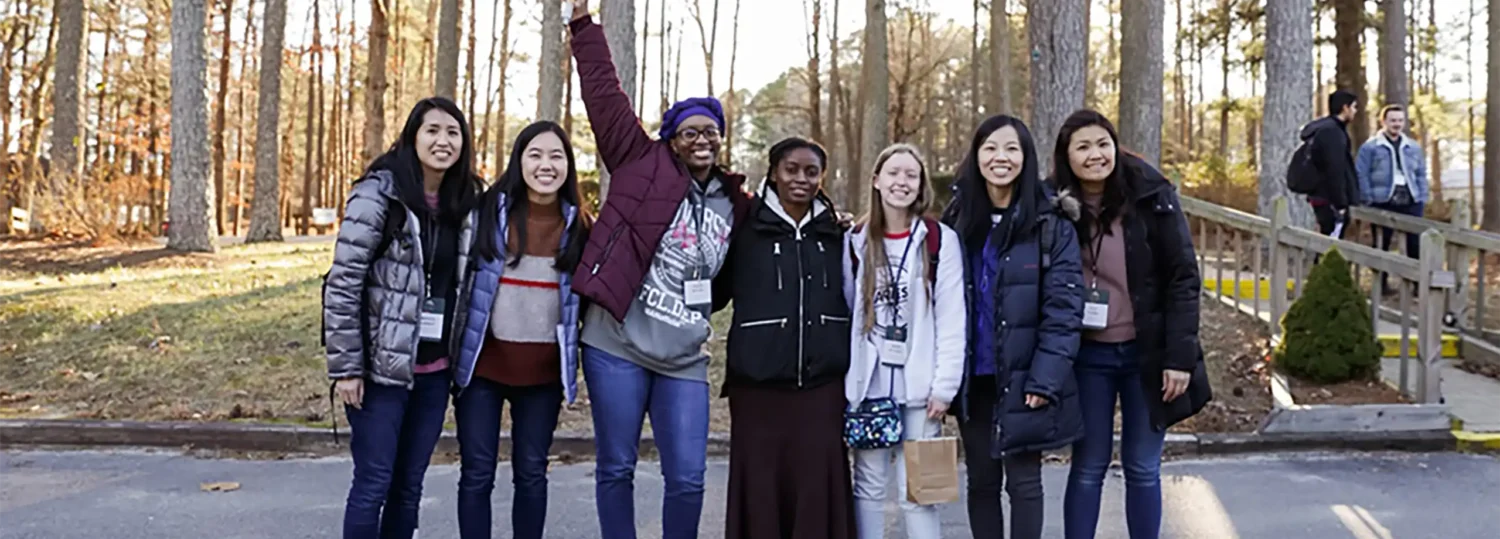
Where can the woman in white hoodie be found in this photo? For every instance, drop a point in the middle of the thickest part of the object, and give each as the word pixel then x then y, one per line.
pixel 907 299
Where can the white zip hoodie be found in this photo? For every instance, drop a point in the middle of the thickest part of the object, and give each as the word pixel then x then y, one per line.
pixel 935 365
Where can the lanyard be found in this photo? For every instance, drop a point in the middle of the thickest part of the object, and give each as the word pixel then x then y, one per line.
pixel 894 282
pixel 430 249
pixel 1096 246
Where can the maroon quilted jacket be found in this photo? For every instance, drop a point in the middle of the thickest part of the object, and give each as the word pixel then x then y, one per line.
pixel 647 182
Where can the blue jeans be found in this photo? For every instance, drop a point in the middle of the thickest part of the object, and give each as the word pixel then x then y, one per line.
pixel 620 395
pixel 1105 371
pixel 391 439
pixel 533 417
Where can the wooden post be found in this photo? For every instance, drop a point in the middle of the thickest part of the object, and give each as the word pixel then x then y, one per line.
pixel 1430 317
pixel 1458 263
pixel 1281 217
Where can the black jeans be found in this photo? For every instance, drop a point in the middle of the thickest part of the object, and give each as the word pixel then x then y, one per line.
pixel 1328 218
pixel 986 473
pixel 1382 235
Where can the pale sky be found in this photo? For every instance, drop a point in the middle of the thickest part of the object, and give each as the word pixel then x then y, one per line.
pixel 773 39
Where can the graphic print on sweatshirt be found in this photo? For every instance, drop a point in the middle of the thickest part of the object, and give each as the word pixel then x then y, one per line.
pixel 699 236
pixel 894 301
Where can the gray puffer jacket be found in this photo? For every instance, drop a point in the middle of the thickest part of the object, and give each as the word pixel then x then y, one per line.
pixel 392 287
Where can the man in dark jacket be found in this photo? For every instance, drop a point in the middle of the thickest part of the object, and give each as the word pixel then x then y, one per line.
pixel 1333 155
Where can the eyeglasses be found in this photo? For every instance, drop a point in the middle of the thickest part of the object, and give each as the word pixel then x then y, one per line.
pixel 690 135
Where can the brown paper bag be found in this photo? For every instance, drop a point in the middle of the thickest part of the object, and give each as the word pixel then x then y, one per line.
pixel 931 470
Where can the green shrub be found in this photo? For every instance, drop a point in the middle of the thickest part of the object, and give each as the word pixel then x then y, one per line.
pixel 1327 335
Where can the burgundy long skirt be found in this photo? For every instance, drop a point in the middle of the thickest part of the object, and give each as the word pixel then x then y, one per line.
pixel 789 472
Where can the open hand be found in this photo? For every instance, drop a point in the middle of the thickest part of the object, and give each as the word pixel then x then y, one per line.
pixel 1035 401
pixel 1174 384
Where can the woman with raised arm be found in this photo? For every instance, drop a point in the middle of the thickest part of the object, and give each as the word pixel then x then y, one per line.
pixel 647 272
pixel 788 351
pixel 388 307
pixel 1025 298
pixel 1140 322
pixel 904 276
pixel 520 329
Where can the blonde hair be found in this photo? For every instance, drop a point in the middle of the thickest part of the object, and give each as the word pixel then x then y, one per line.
pixel 874 226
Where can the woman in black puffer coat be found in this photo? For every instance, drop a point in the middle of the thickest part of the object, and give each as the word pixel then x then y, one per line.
pixel 1023 279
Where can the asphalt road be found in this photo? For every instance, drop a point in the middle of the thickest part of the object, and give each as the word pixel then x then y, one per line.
pixel 137 495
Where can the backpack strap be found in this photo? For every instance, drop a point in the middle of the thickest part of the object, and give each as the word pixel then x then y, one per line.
pixel 934 246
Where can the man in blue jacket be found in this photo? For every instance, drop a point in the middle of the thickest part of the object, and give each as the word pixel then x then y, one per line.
pixel 1392 176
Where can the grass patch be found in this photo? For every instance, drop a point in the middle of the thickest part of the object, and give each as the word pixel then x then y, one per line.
pixel 227 336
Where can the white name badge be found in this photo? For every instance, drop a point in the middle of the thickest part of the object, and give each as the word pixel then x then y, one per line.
pixel 698 292
pixel 1096 309
pixel 893 353
pixel 432 320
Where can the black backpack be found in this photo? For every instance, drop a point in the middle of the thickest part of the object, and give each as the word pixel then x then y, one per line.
pixel 1302 176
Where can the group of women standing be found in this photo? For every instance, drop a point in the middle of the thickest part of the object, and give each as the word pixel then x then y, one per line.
pixel 1025 312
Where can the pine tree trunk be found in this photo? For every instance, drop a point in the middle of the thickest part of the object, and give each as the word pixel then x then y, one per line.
pixel 732 105
pixel 708 38
pixel 1491 220
pixel 67 98
pixel 837 167
pixel 549 91
pixel 1141 72
pixel 221 105
pixel 504 70
pixel 265 207
pixel 1288 106
pixel 375 81
pixel 875 88
pixel 1393 71
pixel 481 144
pixel 448 31
pixel 1179 87
pixel 1059 41
pixel 619 32
pixel 192 213
pixel 1225 104
pixel 1000 101
pixel 1349 24
pixel 469 65
pixel 814 72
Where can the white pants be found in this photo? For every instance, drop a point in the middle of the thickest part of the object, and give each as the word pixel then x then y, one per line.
pixel 872 476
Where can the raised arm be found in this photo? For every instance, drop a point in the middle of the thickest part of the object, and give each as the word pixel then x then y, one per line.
pixel 617 130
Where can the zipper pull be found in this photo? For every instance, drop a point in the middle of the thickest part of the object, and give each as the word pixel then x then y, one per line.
pixel 776 248
pixel 820 246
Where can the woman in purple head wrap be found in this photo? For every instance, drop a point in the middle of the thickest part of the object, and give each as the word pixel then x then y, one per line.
pixel 647 270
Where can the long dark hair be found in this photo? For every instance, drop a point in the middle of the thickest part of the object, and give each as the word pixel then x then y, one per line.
pixel 971 199
pixel 512 186
pixel 1117 190
pixel 461 185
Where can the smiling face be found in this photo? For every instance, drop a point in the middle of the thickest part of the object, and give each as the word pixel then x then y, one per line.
pixel 1091 154
pixel 1394 122
pixel 544 166
pixel 899 180
pixel 696 143
pixel 798 176
pixel 440 140
pixel 1000 157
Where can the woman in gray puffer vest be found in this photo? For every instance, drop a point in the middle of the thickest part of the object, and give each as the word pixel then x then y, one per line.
pixel 388 312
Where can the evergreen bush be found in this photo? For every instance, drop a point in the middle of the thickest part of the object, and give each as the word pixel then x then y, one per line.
pixel 1326 334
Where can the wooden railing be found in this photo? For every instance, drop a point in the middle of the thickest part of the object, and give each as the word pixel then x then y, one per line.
pixel 1467 302
pixel 1256 242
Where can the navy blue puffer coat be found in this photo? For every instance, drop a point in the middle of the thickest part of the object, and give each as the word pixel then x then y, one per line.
pixel 1036 329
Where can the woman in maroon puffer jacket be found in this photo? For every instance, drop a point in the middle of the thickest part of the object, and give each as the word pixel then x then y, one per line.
pixel 661 237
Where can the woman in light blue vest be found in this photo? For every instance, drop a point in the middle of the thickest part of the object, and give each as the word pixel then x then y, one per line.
pixel 520 328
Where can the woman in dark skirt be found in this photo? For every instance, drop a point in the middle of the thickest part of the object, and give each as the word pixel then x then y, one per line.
pixel 788 351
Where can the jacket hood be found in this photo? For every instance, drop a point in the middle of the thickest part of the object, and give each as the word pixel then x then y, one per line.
pixel 1312 127
pixel 1146 180
pixel 1065 204
pixel 820 205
